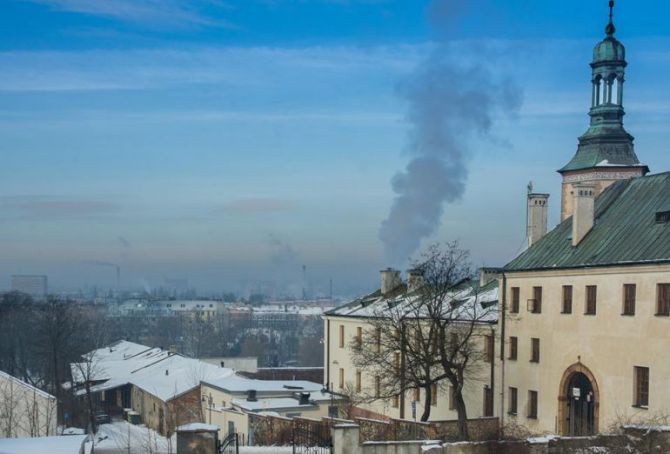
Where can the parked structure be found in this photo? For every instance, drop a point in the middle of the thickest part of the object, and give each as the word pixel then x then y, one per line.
pixel 25 411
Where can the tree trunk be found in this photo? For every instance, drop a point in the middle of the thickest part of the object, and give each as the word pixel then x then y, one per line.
pixel 427 403
pixel 462 413
pixel 91 413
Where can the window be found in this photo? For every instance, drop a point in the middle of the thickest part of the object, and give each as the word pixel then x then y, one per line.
pixel 511 405
pixel 358 381
pixel 396 401
pixel 591 295
pixel 532 404
pixel 513 347
pixel 535 350
pixel 433 395
pixel 641 386
pixel 567 299
pixel 341 336
pixel 535 305
pixel 417 394
pixel 378 339
pixel 488 349
pixel 378 387
pixel 515 300
pixel 663 300
pixel 359 337
pixel 488 401
pixel 341 378
pixel 629 299
pixel 452 398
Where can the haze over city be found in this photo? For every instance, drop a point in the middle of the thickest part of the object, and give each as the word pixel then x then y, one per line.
pixel 230 142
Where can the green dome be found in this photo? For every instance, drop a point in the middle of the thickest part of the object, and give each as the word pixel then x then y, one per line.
pixel 609 49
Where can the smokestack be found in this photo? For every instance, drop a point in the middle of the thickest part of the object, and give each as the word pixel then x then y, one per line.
pixel 414 280
pixel 536 225
pixel 583 211
pixel 390 279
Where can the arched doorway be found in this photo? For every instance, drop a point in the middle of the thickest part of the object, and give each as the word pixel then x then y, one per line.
pixel 579 402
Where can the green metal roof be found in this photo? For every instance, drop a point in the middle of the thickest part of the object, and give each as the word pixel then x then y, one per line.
pixel 625 230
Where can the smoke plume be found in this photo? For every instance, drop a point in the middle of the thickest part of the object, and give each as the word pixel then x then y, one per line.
pixel 449 102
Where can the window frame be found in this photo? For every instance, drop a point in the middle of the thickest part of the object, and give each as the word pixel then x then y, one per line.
pixel 513 401
pixel 591 300
pixel 341 336
pixel 641 394
pixel 535 350
pixel 516 298
pixel 532 404
pixel 513 348
pixel 662 304
pixel 568 293
pixel 628 302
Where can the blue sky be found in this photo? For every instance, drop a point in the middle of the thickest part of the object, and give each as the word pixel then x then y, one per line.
pixel 232 141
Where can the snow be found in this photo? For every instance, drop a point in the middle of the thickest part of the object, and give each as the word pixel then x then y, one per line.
pixel 161 373
pixel 198 426
pixel 70 444
pixel 266 450
pixel 124 438
pixel 74 431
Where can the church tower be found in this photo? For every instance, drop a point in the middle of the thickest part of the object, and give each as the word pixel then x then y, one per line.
pixel 605 151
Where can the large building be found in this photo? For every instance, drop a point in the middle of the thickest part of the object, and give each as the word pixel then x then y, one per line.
pixel 33 285
pixel 586 308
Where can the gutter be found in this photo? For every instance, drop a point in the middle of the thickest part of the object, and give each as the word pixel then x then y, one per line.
pixel 503 309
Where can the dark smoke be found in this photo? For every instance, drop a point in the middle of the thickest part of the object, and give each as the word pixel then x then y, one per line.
pixel 449 103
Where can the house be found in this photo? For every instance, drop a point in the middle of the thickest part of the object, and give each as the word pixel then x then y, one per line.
pixel 25 411
pixel 227 402
pixel 162 386
pixel 345 326
pixel 585 309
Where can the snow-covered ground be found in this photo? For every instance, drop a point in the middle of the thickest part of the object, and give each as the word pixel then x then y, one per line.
pixel 121 437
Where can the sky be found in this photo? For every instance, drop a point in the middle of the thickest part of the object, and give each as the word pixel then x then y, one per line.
pixel 230 142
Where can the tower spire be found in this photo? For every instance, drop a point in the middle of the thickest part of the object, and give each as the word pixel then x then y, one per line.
pixel 610 29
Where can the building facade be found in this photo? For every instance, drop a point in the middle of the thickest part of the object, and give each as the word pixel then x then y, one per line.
pixel 25 411
pixel 585 311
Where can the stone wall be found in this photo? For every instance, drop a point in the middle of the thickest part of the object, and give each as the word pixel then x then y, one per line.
pixel 403 430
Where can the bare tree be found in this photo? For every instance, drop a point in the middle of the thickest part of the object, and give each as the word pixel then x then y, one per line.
pixel 429 336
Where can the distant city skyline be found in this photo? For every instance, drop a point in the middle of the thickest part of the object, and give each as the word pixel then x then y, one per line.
pixel 236 141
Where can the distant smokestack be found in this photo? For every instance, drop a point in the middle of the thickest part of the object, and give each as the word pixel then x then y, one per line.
pixel 118 277
pixel 390 279
pixel 583 214
pixel 536 225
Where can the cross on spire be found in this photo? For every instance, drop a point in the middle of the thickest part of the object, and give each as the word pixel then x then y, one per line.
pixel 609 30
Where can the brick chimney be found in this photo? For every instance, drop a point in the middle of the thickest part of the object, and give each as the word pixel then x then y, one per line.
pixel 583 211
pixel 390 279
pixel 537 217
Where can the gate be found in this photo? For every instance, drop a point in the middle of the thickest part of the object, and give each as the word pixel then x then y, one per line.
pixel 312 440
pixel 230 444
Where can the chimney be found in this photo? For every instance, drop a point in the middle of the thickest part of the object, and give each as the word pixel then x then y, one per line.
pixel 487 275
pixel 583 211
pixel 414 279
pixel 304 398
pixel 251 395
pixel 536 226
pixel 390 280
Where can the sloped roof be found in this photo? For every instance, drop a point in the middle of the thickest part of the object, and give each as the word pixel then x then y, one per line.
pixel 26 386
pixel 472 299
pixel 625 230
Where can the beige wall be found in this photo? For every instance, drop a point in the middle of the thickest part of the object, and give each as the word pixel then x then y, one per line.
pixel 340 358
pixel 24 410
pixel 607 344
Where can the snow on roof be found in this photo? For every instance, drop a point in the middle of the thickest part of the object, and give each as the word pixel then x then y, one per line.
pixel 469 300
pixel 198 426
pixel 163 374
pixel 25 385
pixel 70 444
pixel 237 384
pixel 273 403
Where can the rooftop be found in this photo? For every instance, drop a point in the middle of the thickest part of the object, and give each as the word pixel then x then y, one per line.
pixel 625 231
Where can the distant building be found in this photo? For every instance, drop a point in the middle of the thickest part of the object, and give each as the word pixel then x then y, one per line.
pixel 25 411
pixel 31 284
